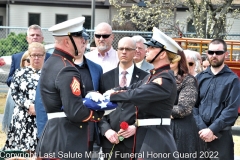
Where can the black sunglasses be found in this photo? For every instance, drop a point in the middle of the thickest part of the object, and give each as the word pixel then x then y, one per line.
pixel 104 36
pixel 28 60
pixel 216 52
pixel 190 63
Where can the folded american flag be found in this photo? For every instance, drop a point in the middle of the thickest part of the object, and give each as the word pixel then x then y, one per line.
pixel 100 105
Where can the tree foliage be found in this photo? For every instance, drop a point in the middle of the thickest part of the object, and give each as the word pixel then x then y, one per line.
pixel 209 16
pixel 13 44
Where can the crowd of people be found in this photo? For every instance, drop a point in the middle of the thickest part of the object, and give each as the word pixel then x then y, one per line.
pixel 173 104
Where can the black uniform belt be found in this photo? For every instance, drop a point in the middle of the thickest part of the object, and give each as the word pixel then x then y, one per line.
pixel 153 121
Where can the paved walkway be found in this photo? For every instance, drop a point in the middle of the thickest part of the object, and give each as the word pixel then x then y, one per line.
pixel 3 88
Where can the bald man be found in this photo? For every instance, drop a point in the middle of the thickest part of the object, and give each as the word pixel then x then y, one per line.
pixel 110 124
pixel 104 55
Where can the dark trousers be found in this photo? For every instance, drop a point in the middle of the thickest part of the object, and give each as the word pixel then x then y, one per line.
pixel 221 148
pixel 120 152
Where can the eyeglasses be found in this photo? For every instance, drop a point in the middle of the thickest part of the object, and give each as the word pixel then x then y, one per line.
pixel 126 49
pixel 28 60
pixel 216 52
pixel 37 56
pixel 104 36
pixel 190 63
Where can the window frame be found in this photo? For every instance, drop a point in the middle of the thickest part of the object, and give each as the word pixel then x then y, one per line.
pixel 29 20
pixel 56 21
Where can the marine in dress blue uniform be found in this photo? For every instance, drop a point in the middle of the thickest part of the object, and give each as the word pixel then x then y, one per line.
pixel 65 135
pixel 154 97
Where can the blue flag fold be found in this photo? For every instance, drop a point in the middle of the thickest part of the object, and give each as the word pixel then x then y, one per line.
pixel 100 105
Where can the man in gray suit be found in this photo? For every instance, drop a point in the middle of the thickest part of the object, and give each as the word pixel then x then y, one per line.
pixel 139 57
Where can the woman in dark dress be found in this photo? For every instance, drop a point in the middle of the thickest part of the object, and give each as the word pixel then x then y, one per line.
pixel 183 125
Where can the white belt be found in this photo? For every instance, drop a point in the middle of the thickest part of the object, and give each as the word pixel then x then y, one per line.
pixel 153 121
pixel 56 115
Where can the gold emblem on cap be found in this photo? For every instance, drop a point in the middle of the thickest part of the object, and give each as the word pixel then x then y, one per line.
pixel 64 59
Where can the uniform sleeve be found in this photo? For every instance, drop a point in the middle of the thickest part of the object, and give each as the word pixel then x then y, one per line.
pixel 68 84
pixel 145 93
pixel 132 86
pixel 186 99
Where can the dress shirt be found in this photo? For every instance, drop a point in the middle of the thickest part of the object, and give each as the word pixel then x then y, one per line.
pixel 107 62
pixel 139 64
pixel 128 75
pixel 220 98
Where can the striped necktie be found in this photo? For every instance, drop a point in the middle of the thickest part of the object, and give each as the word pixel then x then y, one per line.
pixel 123 81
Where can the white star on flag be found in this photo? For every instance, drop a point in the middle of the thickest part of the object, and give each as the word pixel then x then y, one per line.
pixel 103 105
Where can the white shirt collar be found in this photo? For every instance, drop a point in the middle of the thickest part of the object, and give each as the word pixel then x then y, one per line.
pixel 129 70
pixel 139 64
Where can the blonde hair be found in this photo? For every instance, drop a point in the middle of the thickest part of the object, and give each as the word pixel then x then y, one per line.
pixel 36 45
pixel 173 57
pixel 24 56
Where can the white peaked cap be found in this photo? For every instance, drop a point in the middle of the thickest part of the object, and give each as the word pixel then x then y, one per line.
pixel 69 26
pixel 168 42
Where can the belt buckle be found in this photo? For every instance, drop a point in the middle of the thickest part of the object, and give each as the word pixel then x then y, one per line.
pixel 136 123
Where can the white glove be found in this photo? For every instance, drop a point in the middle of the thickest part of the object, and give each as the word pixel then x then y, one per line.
pixel 107 94
pixel 95 96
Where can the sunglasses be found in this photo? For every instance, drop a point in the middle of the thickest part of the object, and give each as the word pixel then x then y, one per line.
pixel 216 52
pixel 190 63
pixel 28 60
pixel 104 36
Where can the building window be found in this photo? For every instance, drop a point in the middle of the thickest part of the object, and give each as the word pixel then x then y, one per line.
pixel 61 18
pixel 190 27
pixel 34 18
pixel 87 23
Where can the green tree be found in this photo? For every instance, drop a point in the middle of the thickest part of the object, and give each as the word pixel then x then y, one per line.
pixel 13 44
pixel 208 16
